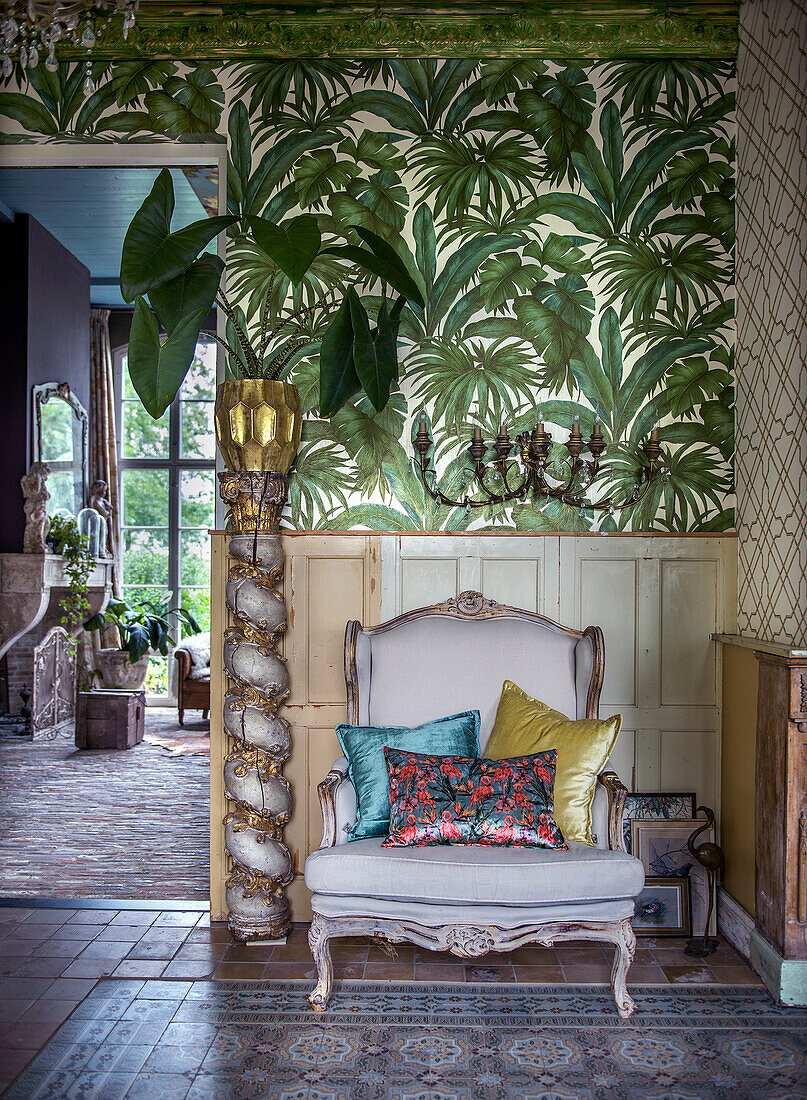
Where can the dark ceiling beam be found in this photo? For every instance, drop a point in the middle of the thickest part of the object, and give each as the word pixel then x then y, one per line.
pixel 334 28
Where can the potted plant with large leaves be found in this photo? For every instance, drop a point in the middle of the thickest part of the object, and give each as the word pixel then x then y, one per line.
pixel 143 628
pixel 174 283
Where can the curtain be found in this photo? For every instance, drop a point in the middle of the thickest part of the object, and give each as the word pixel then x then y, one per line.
pixel 103 441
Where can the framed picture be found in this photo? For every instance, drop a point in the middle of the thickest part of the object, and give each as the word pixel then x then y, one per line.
pixel 662 848
pixel 655 806
pixel 662 908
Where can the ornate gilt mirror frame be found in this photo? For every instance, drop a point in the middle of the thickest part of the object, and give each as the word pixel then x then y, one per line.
pixel 60 391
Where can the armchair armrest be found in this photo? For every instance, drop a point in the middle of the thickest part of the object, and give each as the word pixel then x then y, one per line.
pixel 184 663
pixel 327 799
pixel 617 791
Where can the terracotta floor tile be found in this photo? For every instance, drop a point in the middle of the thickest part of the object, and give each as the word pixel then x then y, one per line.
pixel 200 952
pixel 106 949
pixel 172 919
pixel 481 972
pixel 72 931
pixel 242 971
pixel 121 933
pixel 69 989
pixel 47 1009
pixel 439 972
pixel 531 973
pixel 63 949
pixel 15 1061
pixel 134 917
pixel 735 975
pixel 534 956
pixel 39 967
pixel 13 915
pixel 587 974
pixel 216 933
pixel 21 949
pixel 139 968
pixel 242 952
pixel 161 950
pixel 24 1036
pixel 647 975
pixel 693 974
pixel 93 916
pixel 392 970
pixel 185 968
pixel 25 989
pixel 91 968
pixel 26 931
pixel 49 916
pixel 292 970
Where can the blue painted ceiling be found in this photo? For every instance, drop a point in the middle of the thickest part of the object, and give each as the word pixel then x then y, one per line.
pixel 89 209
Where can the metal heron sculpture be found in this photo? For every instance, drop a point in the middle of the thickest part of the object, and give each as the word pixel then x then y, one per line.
pixel 709 855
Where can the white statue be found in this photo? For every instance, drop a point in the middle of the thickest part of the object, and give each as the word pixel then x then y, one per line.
pixel 35 490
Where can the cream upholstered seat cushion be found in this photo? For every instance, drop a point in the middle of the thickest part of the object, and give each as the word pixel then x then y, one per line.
pixel 471 874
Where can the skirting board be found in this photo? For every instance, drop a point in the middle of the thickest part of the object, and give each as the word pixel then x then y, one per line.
pixel 734 922
pixel 785 978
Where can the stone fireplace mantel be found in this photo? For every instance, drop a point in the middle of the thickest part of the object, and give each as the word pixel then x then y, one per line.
pixel 31 586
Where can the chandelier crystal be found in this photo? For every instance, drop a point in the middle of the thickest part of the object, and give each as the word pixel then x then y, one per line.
pixel 30 30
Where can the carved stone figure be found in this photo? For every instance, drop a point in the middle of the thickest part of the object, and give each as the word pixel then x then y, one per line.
pixel 99 499
pixel 35 491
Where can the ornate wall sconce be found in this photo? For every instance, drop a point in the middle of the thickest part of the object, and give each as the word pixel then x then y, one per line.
pixel 541 476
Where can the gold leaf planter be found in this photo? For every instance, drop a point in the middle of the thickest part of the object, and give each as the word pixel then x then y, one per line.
pixel 258 424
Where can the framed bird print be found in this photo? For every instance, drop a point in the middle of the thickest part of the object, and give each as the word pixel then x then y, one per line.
pixel 661 846
pixel 655 806
pixel 662 908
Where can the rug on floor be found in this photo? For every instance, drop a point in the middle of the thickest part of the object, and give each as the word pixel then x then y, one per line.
pixel 188 745
pixel 409 1041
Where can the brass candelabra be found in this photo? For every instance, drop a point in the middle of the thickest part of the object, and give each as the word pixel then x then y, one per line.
pixel 569 486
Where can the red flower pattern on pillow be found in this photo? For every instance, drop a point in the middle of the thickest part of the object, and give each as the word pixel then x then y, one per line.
pixel 453 800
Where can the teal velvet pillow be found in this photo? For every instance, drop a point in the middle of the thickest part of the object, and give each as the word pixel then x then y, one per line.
pixel 456 735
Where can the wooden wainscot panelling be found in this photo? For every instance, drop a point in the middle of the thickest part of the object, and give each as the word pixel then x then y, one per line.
pixel 330 578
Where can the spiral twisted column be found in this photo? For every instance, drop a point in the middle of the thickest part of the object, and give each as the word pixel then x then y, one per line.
pixel 258 684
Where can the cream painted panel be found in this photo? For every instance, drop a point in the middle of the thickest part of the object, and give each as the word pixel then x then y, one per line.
pixel 335 594
pixel 512 581
pixel 688 599
pixel 689 762
pixel 427 580
pixel 621 759
pixel 607 597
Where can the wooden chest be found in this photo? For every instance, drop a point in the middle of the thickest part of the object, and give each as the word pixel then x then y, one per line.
pixel 110 719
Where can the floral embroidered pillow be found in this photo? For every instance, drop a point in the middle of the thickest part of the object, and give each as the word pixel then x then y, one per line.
pixel 454 800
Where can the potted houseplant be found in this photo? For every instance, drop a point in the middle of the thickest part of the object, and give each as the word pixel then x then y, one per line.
pixel 143 628
pixel 258 421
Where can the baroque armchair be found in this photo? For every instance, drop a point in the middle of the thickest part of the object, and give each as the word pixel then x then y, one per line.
pixel 440 660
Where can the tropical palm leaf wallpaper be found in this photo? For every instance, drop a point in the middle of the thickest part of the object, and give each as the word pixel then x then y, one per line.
pixel 573 232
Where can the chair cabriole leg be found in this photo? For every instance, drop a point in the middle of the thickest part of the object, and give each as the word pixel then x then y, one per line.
pixel 625 944
pixel 319 941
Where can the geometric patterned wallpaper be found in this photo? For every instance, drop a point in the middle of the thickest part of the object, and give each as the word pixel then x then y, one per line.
pixel 771 283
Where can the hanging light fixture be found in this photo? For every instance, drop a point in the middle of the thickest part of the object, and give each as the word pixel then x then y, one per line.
pixel 30 30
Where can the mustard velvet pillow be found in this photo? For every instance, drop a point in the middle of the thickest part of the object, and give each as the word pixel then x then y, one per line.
pixel 524 726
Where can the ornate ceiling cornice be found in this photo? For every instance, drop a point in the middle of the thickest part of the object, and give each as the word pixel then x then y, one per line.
pixel 418 29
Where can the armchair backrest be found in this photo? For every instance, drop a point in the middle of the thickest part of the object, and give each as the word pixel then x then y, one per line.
pixel 456 655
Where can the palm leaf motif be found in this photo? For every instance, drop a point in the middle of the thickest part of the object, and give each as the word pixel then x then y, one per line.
pixel 572 229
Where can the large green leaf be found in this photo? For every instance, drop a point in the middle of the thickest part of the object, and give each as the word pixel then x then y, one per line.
pixel 187 105
pixel 505 276
pixel 194 291
pixel 425 244
pixel 379 259
pixel 338 379
pixel 374 365
pixel 611 345
pixel 293 246
pixel 158 369
pixel 239 165
pixel 692 382
pixel 28 112
pixel 152 254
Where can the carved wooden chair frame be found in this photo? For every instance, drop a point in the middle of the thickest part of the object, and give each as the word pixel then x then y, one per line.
pixel 471 941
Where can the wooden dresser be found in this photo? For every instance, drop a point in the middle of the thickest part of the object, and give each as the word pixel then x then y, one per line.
pixel 781 804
